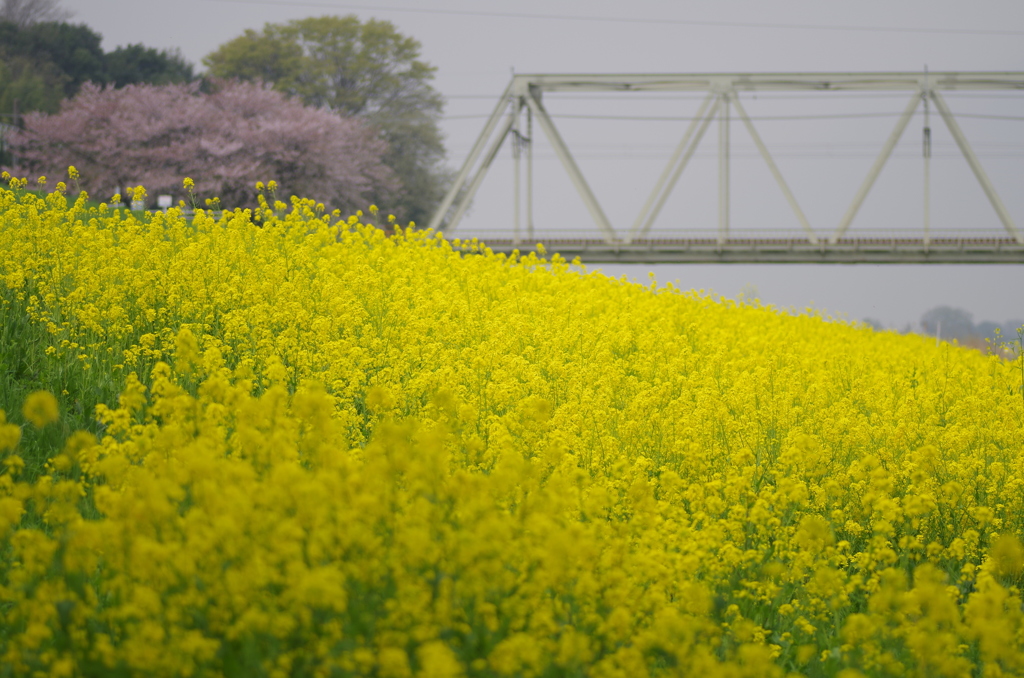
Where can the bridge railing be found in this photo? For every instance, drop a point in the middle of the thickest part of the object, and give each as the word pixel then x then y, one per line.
pixel 759 247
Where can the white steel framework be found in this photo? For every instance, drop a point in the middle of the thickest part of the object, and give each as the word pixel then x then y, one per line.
pixel 523 96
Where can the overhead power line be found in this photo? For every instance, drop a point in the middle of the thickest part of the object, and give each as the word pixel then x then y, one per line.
pixel 753 154
pixel 658 118
pixel 674 96
pixel 625 20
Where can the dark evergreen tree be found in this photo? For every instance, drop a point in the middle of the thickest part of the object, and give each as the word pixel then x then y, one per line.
pixel 74 49
pixel 137 64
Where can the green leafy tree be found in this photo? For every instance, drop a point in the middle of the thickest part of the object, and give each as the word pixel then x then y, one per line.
pixel 74 50
pixel 365 69
pixel 34 85
pixel 31 79
pixel 26 85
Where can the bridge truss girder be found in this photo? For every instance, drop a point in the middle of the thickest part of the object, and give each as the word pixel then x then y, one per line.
pixel 524 96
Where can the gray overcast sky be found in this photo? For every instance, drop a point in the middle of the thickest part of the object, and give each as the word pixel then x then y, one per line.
pixel 475 46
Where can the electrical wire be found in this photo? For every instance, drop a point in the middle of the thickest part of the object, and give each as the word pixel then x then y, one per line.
pixel 633 96
pixel 750 152
pixel 986 148
pixel 659 118
pixel 627 20
pixel 656 118
pixel 753 154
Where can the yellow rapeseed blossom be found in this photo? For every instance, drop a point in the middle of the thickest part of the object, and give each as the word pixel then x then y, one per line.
pixel 335 451
pixel 40 408
pixel 10 434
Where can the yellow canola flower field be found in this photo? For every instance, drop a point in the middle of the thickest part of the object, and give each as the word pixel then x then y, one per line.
pixel 338 453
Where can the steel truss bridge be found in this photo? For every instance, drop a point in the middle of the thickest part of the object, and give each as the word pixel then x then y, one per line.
pixel 523 98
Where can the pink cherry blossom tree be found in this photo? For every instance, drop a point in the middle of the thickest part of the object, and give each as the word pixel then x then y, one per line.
pixel 226 140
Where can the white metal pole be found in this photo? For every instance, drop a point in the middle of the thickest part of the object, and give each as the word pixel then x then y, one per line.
pixel 478 178
pixel 723 168
pixel 979 172
pixel 876 169
pixel 927 149
pixel 460 178
pixel 562 151
pixel 529 173
pixel 775 171
pixel 676 154
pixel 516 143
pixel 679 169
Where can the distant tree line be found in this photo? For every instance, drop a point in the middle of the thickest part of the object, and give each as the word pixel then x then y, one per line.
pixel 949 323
pixel 42 64
pixel 365 72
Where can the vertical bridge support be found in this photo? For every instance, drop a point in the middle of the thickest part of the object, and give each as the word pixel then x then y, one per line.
pixel 723 167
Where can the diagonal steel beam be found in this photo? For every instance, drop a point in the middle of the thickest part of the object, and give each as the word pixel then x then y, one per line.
pixel 775 171
pixel 478 178
pixel 876 169
pixel 562 151
pixel 979 172
pixel 674 179
pixel 460 178
pixel 660 185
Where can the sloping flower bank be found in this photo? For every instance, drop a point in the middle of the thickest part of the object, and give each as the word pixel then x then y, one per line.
pixel 340 453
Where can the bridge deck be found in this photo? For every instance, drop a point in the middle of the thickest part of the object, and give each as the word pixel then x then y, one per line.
pixel 875 250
